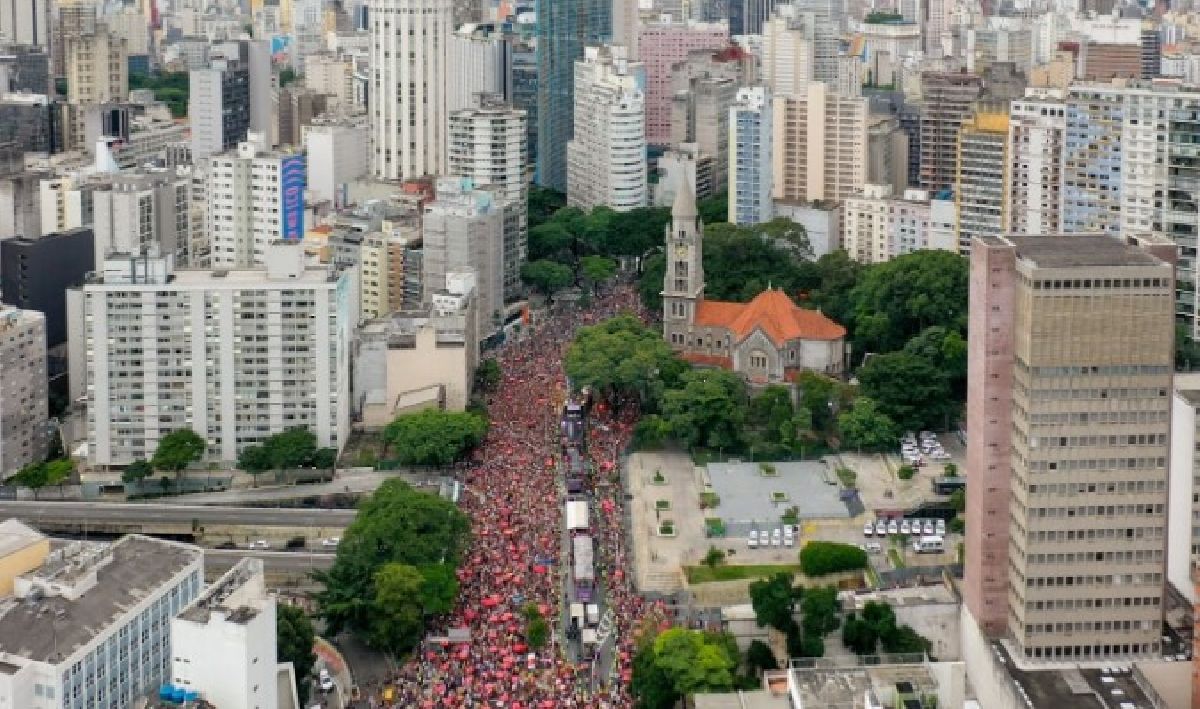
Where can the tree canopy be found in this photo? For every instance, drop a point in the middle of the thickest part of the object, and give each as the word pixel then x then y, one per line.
pixel 434 437
pixel 623 357
pixel 910 390
pixel 177 450
pixel 294 638
pixel 708 409
pixel 418 538
pixel 681 662
pixel 546 275
pixel 867 428
pixel 773 600
pixel 895 300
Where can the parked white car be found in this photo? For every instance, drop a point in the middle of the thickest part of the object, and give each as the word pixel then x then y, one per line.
pixel 752 540
pixel 893 527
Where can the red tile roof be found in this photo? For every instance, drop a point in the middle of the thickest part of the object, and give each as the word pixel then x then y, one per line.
pixel 772 312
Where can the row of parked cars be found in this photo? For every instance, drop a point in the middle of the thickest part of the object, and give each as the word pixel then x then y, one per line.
pixel 776 537
pixel 912 527
pixel 914 449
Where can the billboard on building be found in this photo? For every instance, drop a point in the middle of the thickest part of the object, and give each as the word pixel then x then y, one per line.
pixel 291 181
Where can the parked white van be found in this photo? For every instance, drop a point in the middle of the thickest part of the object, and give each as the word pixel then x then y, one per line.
pixel 929 545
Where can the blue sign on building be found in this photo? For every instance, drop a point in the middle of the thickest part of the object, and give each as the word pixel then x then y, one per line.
pixel 291 180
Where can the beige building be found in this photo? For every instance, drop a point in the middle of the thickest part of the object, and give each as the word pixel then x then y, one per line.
pixel 22 549
pixel 981 177
pixel 97 67
pixel 23 397
pixel 1071 346
pixel 418 359
pixel 819 140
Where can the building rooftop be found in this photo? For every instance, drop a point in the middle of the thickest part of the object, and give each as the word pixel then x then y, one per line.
pixel 774 313
pixel 16 535
pixel 760 699
pixel 845 687
pixel 238 596
pixel 49 628
pixel 1075 687
pixel 1075 251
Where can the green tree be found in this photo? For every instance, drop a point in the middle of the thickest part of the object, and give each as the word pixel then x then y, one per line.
pixel 397 524
pixel 958 500
pixel 550 241
pixel 820 610
pixel 910 390
pixel 287 75
pixel 714 557
pixel 833 279
pixel 696 662
pixel 821 396
pixel 1187 351
pixel 547 276
pixel 865 427
pixel 33 477
pixel 895 300
pixel 597 269
pixel 773 600
pixel 543 203
pixel 708 410
pixel 59 471
pixel 136 472
pixel 291 448
pixel 651 685
pixel 819 558
pixel 177 450
pixel 294 639
pixel 714 209
pixel 434 437
pixel 859 636
pixel 255 460
pixel 945 349
pixel 537 631
pixel 324 459
pixel 786 234
pixel 487 376
pixel 621 356
pixel 397 616
pixel 439 588
pixel 760 657
pixel 651 432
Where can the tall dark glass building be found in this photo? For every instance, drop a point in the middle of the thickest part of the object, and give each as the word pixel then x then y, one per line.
pixel 564 28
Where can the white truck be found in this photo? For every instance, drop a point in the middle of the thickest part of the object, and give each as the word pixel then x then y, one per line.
pixel 593 615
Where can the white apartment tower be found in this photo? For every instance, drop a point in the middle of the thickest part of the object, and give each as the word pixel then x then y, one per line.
pixel 789 51
pixel 23 397
pixel 139 213
pixel 235 355
pixel 606 160
pixel 878 225
pixel 488 145
pixel 409 42
pixel 223 645
pixel 255 197
pixel 750 165
pixel 480 62
pixel 1035 142
pixel 338 153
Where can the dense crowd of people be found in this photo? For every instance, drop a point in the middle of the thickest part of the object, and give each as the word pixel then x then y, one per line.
pixel 515 560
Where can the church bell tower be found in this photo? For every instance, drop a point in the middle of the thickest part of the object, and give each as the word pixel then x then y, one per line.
pixel 683 283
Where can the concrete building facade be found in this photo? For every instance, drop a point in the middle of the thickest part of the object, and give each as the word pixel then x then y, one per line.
pixel 981 177
pixel 337 153
pixel 141 213
pixel 606 158
pixel 819 141
pixel 704 89
pixel 1036 126
pixel 751 160
pixel 24 411
pixel 97 67
pixel 947 101
pixel 1067 509
pixel 661 46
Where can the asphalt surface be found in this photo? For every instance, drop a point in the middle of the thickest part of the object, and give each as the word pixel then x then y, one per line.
pixel 135 513
pixel 278 561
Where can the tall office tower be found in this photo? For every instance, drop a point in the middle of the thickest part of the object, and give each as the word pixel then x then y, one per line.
pixel 1036 125
pixel 338 152
pixel 407 100
pixel 24 69
pixel 700 116
pixel 525 91
pixel 887 152
pixel 663 46
pixel 1001 40
pixel 1151 45
pixel 219 106
pixel 487 145
pixel 830 22
pixel 947 100
pixel 789 51
pixel 24 401
pixel 480 62
pixel 332 76
pixel 36 272
pixel 235 355
pixel 1092 159
pixel 981 178
pixel 606 160
pixel 139 213
pixel 296 109
pixel 819 142
pixel 750 158
pixel 935 24
pixel 465 229
pixel 25 22
pixel 97 67
pixel 748 16
pixel 564 28
pixel 255 197
pixel 1070 358
pixel 626 21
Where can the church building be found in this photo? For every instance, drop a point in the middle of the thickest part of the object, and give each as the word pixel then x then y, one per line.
pixel 768 340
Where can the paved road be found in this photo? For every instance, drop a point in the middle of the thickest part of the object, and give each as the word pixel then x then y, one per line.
pixel 345 483
pixel 278 561
pixel 101 512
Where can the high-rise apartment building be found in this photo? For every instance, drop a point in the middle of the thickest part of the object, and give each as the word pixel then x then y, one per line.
pixel 465 230
pixel 789 51
pixel 879 225
pixel 947 101
pixel 97 67
pixel 662 45
pixel 1070 364
pixel 819 142
pixel 235 355
pixel 255 197
pixel 1183 518
pixel 981 178
pixel 137 213
pixel 337 153
pixel 24 413
pixel 564 28
pixel 704 87
pixel 1036 125
pixel 487 145
pixel 219 106
pixel 748 16
pixel 407 97
pixel 36 272
pixel 481 62
pixel 750 157
pixel 25 22
pixel 606 158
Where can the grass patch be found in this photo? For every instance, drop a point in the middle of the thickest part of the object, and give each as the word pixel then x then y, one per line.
pixel 704 574
pixel 709 500
pixel 873 577
pixel 714 526
pixel 790 516
pixel 848 477
pixel 662 505
pixel 896 557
